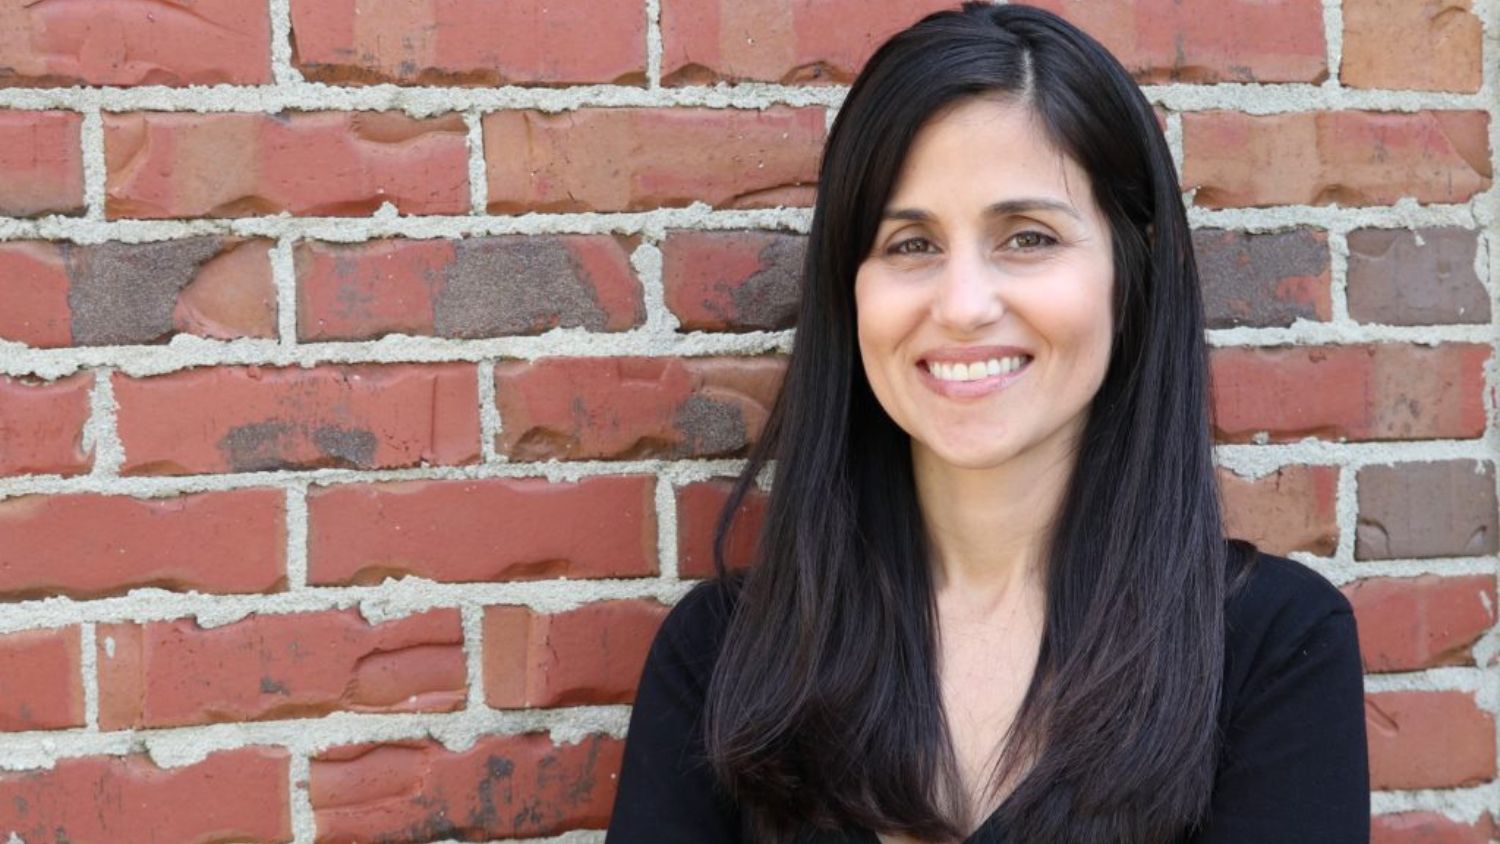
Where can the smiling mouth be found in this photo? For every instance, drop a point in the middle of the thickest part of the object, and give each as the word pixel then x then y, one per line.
pixel 980 370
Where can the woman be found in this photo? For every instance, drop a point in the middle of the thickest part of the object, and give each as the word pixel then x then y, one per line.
pixel 992 598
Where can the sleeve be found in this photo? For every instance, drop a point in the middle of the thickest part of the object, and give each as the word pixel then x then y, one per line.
pixel 667 792
pixel 1296 765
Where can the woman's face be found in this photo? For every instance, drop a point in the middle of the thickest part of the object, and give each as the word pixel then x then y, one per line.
pixel 984 307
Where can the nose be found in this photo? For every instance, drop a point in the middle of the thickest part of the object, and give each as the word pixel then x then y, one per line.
pixel 967 296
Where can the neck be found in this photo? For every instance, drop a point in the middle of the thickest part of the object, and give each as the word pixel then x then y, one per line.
pixel 987 527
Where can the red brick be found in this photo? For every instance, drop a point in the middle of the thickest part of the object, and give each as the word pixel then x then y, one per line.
pixel 633 407
pixel 116 293
pixel 1443 508
pixel 1207 41
pixel 1428 740
pixel 1407 624
pixel 171 673
pixel 1434 45
pixel 484 530
pixel 1290 509
pixel 41 682
pixel 1347 158
pixel 519 786
pixel 1264 279
pixel 41 162
pixel 246 419
pixel 788 41
pixel 698 507
pixel 1376 392
pixel 733 281
pixel 636 159
pixel 467 288
pixel 41 425
pixel 1421 277
pixel 469 42
pixel 206 42
pixel 1430 828
pixel 306 163
pixel 591 655
pixel 92 545
pixel 235 795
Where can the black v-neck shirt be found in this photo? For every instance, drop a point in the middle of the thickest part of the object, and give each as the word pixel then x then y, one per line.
pixel 1294 769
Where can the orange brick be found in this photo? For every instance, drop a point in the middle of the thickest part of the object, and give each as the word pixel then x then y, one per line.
pixel 41 684
pixel 1434 45
pixel 41 425
pixel 591 655
pixel 698 507
pixel 41 162
pixel 1428 740
pixel 1290 509
pixel 1412 623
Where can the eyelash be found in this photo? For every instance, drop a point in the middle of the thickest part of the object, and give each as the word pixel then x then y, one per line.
pixel 1048 240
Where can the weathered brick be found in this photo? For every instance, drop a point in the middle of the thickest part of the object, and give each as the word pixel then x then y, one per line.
pixel 1271 279
pixel 41 162
pixel 467 288
pixel 1439 509
pixel 1428 740
pixel 112 293
pixel 234 795
pixel 171 673
pixel 469 42
pixel 1404 277
pixel 1346 158
pixel 247 419
pixel 636 159
pixel 1290 509
pixel 1207 41
pixel 698 507
pixel 633 407
pixel 1434 45
pixel 409 792
pixel 171 164
pixel 1430 828
pixel 1369 392
pixel 96 42
pixel 1411 623
pixel 484 530
pixel 41 425
pixel 91 545
pixel 590 655
pixel 41 683
pixel 733 281
pixel 788 41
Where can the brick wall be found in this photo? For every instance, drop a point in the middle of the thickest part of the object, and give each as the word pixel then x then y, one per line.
pixel 369 374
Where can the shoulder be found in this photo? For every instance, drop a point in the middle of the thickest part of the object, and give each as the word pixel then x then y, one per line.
pixel 693 631
pixel 1282 609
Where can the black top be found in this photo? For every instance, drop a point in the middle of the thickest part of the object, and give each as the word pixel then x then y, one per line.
pixel 1295 765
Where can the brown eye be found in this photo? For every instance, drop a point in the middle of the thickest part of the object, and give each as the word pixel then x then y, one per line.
pixel 1029 240
pixel 910 246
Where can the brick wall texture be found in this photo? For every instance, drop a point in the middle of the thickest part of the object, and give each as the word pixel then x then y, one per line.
pixel 370 376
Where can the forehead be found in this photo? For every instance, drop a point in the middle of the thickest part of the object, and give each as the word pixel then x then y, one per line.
pixel 983 150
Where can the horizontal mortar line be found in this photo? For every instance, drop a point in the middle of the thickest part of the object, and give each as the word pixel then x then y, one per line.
pixel 389 223
pixel 1440 679
pixel 173 747
pixel 1312 333
pixel 1342 571
pixel 426 100
pixel 188 351
pixel 1254 460
pixel 1464 803
pixel 679 471
pixel 1405 213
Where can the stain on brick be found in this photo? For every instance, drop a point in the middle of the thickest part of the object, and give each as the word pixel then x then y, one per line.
pixel 514 285
pixel 125 292
pixel 346 446
pixel 711 427
pixel 1270 279
pixel 1423 277
pixel 768 299
pixel 257 446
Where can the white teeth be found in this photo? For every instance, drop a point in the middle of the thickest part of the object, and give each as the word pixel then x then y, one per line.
pixel 976 370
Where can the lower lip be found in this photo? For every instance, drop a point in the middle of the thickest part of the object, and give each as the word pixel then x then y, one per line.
pixel 971 389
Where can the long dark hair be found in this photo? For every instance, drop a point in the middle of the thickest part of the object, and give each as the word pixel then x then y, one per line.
pixel 824 707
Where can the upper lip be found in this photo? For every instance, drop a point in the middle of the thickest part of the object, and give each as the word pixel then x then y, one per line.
pixel 970 354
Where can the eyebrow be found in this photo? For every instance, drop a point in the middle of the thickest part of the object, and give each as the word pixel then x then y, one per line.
pixel 998 209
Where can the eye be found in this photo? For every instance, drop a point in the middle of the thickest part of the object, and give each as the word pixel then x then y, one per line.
pixel 1032 240
pixel 909 246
